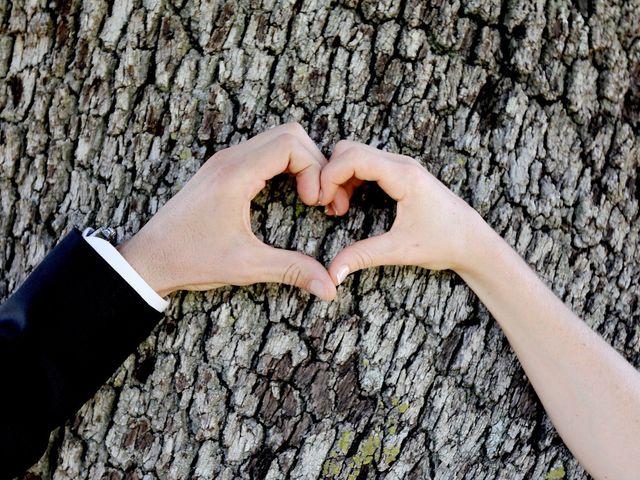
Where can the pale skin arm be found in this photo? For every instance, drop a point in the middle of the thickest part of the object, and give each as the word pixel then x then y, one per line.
pixel 591 393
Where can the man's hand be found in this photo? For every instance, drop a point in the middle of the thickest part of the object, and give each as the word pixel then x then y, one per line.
pixel 432 228
pixel 202 238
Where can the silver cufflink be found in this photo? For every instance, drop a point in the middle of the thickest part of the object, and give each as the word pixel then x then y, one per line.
pixel 105 233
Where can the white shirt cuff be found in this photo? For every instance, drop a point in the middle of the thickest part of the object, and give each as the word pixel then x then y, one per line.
pixel 113 257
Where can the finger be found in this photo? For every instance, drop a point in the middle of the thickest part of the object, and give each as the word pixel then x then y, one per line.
pixel 351 186
pixel 286 153
pixel 343 195
pixel 340 203
pixel 293 268
pixel 292 128
pixel 371 252
pixel 330 210
pixel 365 164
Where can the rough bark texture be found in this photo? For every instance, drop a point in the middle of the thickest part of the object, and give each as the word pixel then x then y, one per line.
pixel 528 109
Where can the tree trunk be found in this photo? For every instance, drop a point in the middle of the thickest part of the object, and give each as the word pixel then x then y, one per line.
pixel 529 110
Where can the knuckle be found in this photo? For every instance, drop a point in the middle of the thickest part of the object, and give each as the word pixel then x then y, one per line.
pixel 292 275
pixel 352 153
pixel 326 175
pixel 294 128
pixel 363 258
pixel 409 160
pixel 341 146
pixel 411 166
pixel 348 149
pixel 287 141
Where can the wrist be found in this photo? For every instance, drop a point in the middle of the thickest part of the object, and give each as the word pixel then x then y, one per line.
pixel 478 246
pixel 146 257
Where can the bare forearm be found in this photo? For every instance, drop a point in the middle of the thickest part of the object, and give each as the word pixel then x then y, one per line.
pixel 590 392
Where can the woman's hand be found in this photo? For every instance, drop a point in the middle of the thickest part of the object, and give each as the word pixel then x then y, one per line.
pixel 432 228
pixel 202 238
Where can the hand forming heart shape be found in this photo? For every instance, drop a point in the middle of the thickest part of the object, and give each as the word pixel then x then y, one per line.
pixel 202 237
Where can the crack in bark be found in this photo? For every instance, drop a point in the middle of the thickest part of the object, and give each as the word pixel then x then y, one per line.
pixel 529 111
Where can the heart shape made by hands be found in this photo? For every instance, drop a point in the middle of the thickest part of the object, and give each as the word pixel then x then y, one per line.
pixel 202 238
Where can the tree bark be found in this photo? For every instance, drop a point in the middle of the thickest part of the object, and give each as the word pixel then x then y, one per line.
pixel 529 110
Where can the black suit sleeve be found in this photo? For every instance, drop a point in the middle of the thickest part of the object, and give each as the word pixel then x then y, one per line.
pixel 63 333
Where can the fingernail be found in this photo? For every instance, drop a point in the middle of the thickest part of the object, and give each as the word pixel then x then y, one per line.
pixel 342 274
pixel 317 288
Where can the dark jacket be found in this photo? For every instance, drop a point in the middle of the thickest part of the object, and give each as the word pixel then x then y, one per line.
pixel 63 333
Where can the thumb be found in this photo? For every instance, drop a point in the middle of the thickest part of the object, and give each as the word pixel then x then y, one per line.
pixel 294 268
pixel 371 252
